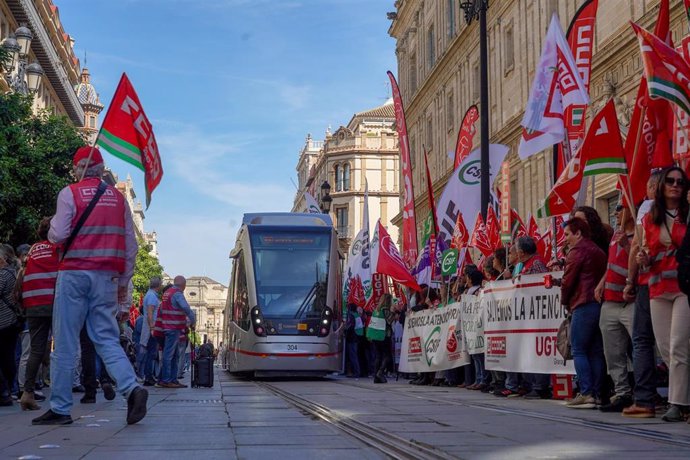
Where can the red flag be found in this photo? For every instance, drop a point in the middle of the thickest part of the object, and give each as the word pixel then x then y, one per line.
pixel 479 238
pixel 580 36
pixel 386 259
pixel 653 149
pixel 463 145
pixel 461 235
pixel 603 147
pixel 133 314
pixel 492 228
pixel 127 134
pixel 409 233
pixel 356 294
pixel 519 228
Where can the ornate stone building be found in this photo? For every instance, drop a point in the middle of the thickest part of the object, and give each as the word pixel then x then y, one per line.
pixel 438 74
pixel 91 103
pixel 52 48
pixel 364 150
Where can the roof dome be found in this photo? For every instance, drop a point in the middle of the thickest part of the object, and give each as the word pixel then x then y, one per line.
pixel 86 93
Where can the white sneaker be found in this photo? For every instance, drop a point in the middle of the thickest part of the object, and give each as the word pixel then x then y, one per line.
pixel 581 402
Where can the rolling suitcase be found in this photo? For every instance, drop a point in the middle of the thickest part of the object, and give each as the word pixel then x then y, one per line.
pixel 202 372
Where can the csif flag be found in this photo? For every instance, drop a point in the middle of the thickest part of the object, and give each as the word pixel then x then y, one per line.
pixel 127 134
pixel 557 85
pixel 603 148
pixel 312 207
pixel 386 259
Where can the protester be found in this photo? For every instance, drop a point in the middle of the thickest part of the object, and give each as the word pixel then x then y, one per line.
pixel 170 323
pixel 352 333
pixel 500 262
pixel 616 318
pixel 94 273
pixel 38 293
pixel 584 267
pixel 664 228
pixel 384 347
pixel 488 270
pixel 600 232
pixel 148 345
pixel 10 322
pixel 481 382
pixel 644 343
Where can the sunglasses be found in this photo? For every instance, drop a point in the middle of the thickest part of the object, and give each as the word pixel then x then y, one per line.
pixel 674 181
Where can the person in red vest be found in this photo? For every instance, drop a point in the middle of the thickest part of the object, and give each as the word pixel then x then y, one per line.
pixel 663 230
pixel 170 325
pixel 93 276
pixel 38 292
pixel 616 317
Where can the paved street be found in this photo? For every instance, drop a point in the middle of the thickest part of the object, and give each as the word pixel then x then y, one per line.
pixel 247 420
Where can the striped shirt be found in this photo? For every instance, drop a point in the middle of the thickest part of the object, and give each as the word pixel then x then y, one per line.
pixel 8 278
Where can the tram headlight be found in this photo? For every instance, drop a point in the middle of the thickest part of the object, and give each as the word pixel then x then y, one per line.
pixel 257 321
pixel 325 321
pixel 326 318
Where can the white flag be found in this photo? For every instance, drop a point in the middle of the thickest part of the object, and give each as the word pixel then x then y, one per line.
pixel 311 203
pixel 557 85
pixel 359 255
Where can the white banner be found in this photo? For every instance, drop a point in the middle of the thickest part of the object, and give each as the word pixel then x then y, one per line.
pixel 473 323
pixel 520 327
pixel 432 341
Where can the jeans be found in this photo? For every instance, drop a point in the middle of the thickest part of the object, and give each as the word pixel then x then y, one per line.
pixel 512 381
pixel 383 355
pixel 480 372
pixel 353 357
pixel 25 341
pixel 181 347
pixel 644 360
pixel 537 382
pixel 86 297
pixel 588 348
pixel 39 329
pixel 170 355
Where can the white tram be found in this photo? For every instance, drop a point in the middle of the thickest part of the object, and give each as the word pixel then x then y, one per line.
pixel 283 305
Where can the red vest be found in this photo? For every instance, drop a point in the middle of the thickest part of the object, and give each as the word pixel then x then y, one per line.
pixel 170 318
pixel 616 270
pixel 100 244
pixel 40 275
pixel 663 270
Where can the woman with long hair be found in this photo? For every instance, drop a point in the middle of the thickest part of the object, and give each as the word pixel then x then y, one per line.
pixel 663 231
pixel 600 233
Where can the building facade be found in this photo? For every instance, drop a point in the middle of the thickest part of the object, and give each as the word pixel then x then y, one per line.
pixel 52 48
pixel 126 187
pixel 365 151
pixel 438 74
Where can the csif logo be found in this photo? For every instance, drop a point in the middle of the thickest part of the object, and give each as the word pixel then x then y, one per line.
pixel 431 345
pixel 471 173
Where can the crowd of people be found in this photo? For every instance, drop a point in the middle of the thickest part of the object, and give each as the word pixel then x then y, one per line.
pixel 65 302
pixel 629 319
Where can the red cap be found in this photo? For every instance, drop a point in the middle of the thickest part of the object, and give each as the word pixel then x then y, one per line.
pixel 83 154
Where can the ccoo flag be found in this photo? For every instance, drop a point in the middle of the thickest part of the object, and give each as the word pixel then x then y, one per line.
pixel 602 149
pixel 127 134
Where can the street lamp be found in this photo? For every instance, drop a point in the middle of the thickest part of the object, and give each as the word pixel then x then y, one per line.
pixel 22 77
pixel 476 9
pixel 326 199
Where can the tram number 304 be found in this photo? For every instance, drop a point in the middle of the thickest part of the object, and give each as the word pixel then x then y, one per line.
pixel 292 347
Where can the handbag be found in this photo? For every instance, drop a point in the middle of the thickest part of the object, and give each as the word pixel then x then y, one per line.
pixel 563 344
pixel 377 326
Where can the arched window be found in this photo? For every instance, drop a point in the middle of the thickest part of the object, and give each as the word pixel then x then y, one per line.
pixel 338 179
pixel 346 176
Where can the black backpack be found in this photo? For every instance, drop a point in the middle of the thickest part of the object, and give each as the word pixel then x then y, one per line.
pixel 683 258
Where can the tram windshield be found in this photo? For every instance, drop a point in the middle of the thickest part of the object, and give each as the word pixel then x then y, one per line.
pixel 291 272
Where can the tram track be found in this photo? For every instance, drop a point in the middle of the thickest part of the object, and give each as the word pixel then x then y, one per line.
pixel 634 431
pixel 381 440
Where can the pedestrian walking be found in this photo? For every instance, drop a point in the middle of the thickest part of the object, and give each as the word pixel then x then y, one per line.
pixel 93 224
pixel 147 342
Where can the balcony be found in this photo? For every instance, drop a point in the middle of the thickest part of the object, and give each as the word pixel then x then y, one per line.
pixel 344 231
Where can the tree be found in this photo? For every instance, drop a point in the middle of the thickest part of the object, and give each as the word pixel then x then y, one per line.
pixel 35 164
pixel 145 268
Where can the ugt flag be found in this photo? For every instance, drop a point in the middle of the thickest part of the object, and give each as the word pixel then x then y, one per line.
pixel 557 85
pixel 127 134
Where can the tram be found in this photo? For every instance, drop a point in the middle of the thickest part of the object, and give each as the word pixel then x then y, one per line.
pixel 283 307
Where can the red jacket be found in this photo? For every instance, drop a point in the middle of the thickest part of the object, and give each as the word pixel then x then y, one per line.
pixel 585 265
pixel 40 275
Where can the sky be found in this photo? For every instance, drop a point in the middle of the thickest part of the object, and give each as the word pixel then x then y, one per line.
pixel 232 88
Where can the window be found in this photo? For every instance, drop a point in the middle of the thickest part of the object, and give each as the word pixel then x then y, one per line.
pixel 611 203
pixel 240 299
pixel 475 82
pixel 92 122
pixel 338 179
pixel 429 134
pixel 413 73
pixel 508 43
pixel 451 18
pixel 341 221
pixel 346 177
pixel 430 47
pixel 450 111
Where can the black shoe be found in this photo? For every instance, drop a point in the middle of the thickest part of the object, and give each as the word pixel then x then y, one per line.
pixel 51 418
pixel 149 383
pixel 78 389
pixel 6 401
pixel 381 377
pixel 136 405
pixel 377 379
pixel 108 391
pixel 88 398
pixel 617 404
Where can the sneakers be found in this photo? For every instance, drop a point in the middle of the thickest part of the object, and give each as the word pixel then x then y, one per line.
pixel 673 414
pixel 532 395
pixel 51 418
pixel 108 391
pixel 581 402
pixel 617 404
pixel 636 411
pixel 136 405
